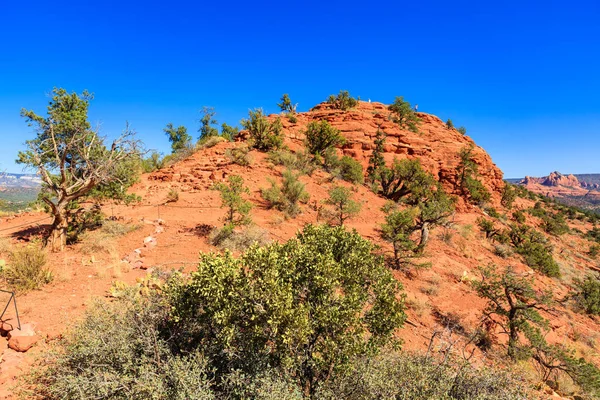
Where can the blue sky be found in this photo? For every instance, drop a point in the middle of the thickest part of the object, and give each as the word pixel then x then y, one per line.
pixel 523 77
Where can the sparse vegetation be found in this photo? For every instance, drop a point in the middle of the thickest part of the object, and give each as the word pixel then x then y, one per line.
pixel 376 161
pixel 467 173
pixel 509 195
pixel 172 196
pixel 178 137
pixel 343 101
pixel 264 135
pixel 238 209
pixel 321 138
pixel 462 130
pixel 286 105
pixel 26 268
pixel 287 197
pixel 343 207
pixel 404 115
pixel 351 170
pixel 587 296
pixel 207 120
pixel 449 124
pixel 301 161
pixel 238 239
pixel 239 156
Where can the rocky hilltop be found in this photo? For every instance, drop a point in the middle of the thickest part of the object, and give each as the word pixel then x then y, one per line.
pixel 435 145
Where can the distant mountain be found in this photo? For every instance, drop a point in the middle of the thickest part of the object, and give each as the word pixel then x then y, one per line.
pixel 581 190
pixel 8 180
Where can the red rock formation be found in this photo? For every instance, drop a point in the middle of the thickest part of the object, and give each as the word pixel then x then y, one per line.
pixel 435 145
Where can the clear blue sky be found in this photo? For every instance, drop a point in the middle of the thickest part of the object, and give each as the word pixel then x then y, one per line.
pixel 522 76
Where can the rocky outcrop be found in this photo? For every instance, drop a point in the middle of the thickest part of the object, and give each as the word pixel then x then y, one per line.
pixel 558 179
pixel 435 145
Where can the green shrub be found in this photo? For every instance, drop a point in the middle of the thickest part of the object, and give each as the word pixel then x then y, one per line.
pixel 238 239
pixel 322 137
pixel 351 170
pixel 487 227
pixel 292 118
pixel 300 161
pixel 178 137
pixel 376 160
pixel 210 141
pixel 239 156
pixel 172 196
pixel 462 130
pixel 119 352
pixel 449 124
pixel 509 194
pixel 404 115
pixel 343 100
pixel 229 132
pixel 286 105
pixel 539 257
pixel 343 207
pixel 26 269
pixel 492 212
pixel 287 197
pixel 306 307
pixel 411 376
pixel 153 163
pixel 238 209
pixel 264 135
pixel 594 251
pixel 467 173
pixel 537 210
pixel 587 295
pixel 554 224
pixel 519 216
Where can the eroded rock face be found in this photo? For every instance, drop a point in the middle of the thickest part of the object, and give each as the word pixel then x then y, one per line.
pixel 558 179
pixel 435 145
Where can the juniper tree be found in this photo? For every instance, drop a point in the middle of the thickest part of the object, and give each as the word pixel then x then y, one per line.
pixel 321 137
pixel 344 208
pixel 376 161
pixel 265 135
pixel 71 157
pixel 238 209
pixel 286 104
pixel 404 115
pixel 178 137
pixel 343 100
pixel 206 123
pixel 514 305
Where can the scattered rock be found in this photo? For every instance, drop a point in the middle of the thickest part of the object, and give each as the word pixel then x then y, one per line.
pixel 24 339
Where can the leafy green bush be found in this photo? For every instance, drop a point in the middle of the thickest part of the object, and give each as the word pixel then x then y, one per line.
pixel 538 210
pixel 322 137
pixel 287 197
pixel 405 179
pixel 308 306
pixel 343 100
pixel 351 170
pixel 264 135
pixel 153 163
pixel 178 137
pixel 229 132
pixel 26 269
pixel 449 124
pixel 534 248
pixel 594 251
pixel 376 160
pixel 487 227
pixel 462 130
pixel 404 115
